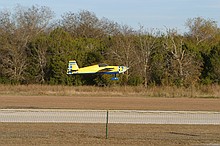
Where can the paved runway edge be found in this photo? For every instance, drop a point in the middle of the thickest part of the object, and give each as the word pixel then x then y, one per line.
pixel 115 116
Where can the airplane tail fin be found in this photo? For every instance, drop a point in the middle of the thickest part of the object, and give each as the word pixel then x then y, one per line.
pixel 72 66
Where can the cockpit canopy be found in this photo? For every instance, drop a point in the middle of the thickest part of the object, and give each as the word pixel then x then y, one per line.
pixel 102 65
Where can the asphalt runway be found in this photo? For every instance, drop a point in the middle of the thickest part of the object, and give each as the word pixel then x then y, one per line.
pixel 114 116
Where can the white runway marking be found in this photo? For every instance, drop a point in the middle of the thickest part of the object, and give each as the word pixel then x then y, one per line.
pixel 115 116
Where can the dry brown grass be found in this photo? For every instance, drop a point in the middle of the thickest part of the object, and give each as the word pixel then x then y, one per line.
pixel 27 134
pixel 140 91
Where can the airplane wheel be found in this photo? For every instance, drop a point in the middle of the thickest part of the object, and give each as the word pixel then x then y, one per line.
pixel 114 78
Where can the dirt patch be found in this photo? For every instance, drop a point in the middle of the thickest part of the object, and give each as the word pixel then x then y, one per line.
pixel 136 103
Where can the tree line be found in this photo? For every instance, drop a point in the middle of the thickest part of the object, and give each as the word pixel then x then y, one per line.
pixel 35 49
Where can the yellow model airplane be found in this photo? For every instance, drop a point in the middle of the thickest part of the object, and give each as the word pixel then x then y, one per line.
pixel 95 69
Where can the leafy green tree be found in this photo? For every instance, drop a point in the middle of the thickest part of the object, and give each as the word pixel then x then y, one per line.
pixel 183 62
pixel 202 34
pixel 201 30
pixel 122 51
pixel 61 49
pixel 212 67
pixel 215 61
pixel 159 66
pixel 147 43
pixel 37 58
pixel 86 24
pixel 18 28
pixel 35 50
pixel 13 44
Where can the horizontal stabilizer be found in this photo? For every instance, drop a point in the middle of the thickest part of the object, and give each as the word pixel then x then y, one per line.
pixel 72 67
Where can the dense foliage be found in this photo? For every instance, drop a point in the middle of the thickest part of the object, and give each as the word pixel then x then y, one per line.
pixel 35 48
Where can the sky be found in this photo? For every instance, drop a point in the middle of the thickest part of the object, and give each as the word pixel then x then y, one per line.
pixel 159 14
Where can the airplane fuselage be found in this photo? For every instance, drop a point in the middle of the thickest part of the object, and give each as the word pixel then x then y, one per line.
pixel 95 69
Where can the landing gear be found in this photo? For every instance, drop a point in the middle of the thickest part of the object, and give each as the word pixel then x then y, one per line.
pixel 114 78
